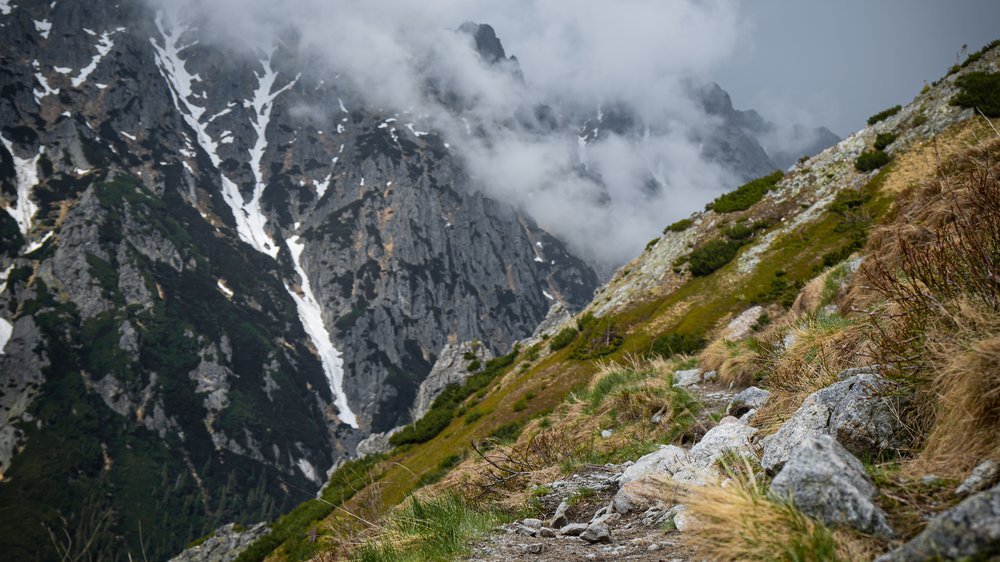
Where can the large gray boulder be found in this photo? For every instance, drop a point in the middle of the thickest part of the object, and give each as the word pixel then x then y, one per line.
pixel 969 531
pixel 854 410
pixel 986 474
pixel 827 483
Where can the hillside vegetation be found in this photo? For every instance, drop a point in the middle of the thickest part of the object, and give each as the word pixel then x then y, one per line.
pixel 784 284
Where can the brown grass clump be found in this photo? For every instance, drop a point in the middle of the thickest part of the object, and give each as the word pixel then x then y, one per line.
pixel 821 347
pixel 738 521
pixel 938 267
pixel 737 363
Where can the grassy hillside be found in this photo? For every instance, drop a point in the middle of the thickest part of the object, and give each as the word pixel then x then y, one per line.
pixel 790 244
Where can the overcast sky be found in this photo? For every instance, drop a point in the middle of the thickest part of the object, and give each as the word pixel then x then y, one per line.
pixel 837 62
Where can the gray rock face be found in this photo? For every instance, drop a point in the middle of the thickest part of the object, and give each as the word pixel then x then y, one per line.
pixel 748 399
pixel 452 367
pixel 986 474
pixel 825 481
pixel 224 545
pixel 596 533
pixel 852 410
pixel 729 435
pixel 657 462
pixel 687 378
pixel 573 529
pixel 559 519
pixel 969 531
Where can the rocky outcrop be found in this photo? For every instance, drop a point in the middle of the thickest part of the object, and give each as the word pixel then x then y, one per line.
pixel 224 545
pixel 969 531
pixel 455 364
pixel 826 482
pixel 986 474
pixel 747 400
pixel 855 410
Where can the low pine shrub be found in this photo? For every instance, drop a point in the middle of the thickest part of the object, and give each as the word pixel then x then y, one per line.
pixel 980 90
pixel 883 140
pixel 712 255
pixel 679 226
pixel 746 195
pixel 871 160
pixel 883 115
pixel 562 339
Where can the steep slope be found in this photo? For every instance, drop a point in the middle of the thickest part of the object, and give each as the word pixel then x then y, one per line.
pixel 783 249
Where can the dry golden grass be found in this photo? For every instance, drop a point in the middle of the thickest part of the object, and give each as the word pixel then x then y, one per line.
pixel 821 347
pixel 737 363
pixel 966 357
pixel 737 521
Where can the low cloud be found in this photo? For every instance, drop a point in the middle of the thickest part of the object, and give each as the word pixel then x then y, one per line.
pixel 605 199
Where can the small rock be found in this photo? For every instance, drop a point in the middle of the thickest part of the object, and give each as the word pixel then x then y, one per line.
pixel 532 523
pixel 573 529
pixel 710 376
pixel 559 517
pixel 596 533
pixel 653 547
pixel 607 433
pixel 969 531
pixel 547 532
pixel 986 474
pixel 533 548
pixel 827 482
pixel 526 531
pixel 683 521
pixel 601 512
pixel 687 378
pixel 748 399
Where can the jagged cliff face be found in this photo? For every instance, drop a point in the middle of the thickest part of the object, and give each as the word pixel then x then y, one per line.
pixel 209 294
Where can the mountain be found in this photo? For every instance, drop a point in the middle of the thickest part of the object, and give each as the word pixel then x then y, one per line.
pixel 222 269
pixel 825 335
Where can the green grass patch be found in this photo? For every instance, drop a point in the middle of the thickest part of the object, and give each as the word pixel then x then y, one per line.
pixel 439 528
pixel 672 343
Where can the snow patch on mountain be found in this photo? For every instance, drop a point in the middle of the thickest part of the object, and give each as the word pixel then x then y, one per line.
pixel 26 171
pixel 311 315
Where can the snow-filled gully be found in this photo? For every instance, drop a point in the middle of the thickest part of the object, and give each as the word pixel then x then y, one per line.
pixel 250 219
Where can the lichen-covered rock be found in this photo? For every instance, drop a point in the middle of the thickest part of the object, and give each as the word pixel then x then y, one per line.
pixel 659 462
pixel 853 410
pixel 747 399
pixel 969 531
pixel 224 545
pixel 596 533
pixel 986 474
pixel 826 482
pixel 687 378
pixel 729 435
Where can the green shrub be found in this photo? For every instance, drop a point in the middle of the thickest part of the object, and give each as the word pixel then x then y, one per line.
pixel 883 140
pixel 746 195
pixel 507 432
pixel 739 232
pixel 975 56
pixel 883 115
pixel 918 120
pixel 670 343
pixel 520 405
pixel 679 226
pixel 563 338
pixel 473 417
pixel 980 90
pixel 871 160
pixel 712 255
pixel 474 366
pixel 651 243
pixel 598 337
